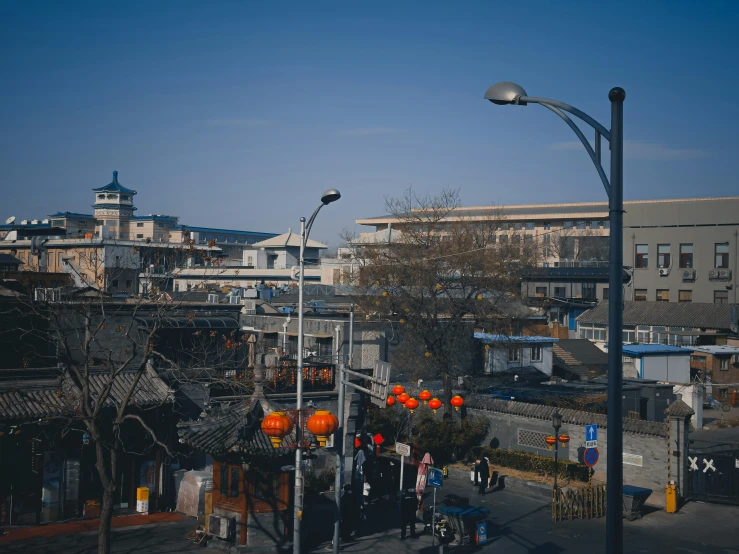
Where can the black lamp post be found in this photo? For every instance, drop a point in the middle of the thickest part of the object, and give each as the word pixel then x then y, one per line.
pixel 556 423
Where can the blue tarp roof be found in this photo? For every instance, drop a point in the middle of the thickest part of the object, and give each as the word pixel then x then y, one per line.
pixel 488 338
pixel 654 349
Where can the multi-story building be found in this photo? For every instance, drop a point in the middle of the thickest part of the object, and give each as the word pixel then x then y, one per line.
pixel 681 250
pixel 117 250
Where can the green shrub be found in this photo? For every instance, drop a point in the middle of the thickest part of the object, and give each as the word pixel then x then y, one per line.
pixel 446 439
pixel 524 461
pixel 317 482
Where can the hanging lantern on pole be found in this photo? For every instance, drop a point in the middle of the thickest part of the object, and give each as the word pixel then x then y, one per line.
pixel 425 396
pixel 457 402
pixel 551 440
pixel 411 404
pixel 398 390
pixel 390 401
pixel 277 426
pixel 322 424
pixel 435 404
pixel 403 397
pixel 564 438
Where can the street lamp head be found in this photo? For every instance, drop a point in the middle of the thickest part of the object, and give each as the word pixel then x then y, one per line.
pixel 331 195
pixel 504 93
pixel 556 420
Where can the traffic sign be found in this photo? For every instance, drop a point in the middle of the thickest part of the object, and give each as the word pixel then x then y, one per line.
pixel 403 449
pixel 482 533
pixel 435 477
pixel 590 457
pixel 591 436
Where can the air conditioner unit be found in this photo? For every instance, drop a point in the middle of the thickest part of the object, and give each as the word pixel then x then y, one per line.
pixel 213 298
pixel 222 527
pixel 664 271
pixel 688 274
pixel 713 273
pixel 724 274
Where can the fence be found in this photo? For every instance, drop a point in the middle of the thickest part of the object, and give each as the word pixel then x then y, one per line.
pixel 579 503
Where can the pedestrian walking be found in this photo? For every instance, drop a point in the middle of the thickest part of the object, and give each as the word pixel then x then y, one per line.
pixel 484 475
pixel 348 514
pixel 408 506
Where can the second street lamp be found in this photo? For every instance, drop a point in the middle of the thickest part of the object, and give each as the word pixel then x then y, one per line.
pixel 331 195
pixel 510 93
pixel 556 423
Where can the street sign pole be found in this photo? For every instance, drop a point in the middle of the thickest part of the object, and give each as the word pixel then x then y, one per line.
pixel 433 514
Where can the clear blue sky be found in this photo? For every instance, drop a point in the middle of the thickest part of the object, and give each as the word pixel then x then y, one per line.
pixel 239 114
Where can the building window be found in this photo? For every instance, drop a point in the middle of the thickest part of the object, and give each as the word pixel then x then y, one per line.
pixel 663 255
pixel 547 252
pixel 721 297
pixel 722 255
pixel 607 224
pixel 101 197
pixel 513 355
pixel 588 291
pixel 628 335
pixel 516 226
pixel 640 295
pixel 139 235
pixel 581 225
pixel 541 291
pixel 528 238
pixel 642 256
pixel 529 225
pixel 224 481
pixel 235 482
pixel 663 295
pixel 560 292
pixel 503 239
pixel 723 393
pixel 685 296
pixel 60 259
pixel 547 226
pixel 128 283
pixel 595 224
pixel 723 363
pixel 493 239
pixel 536 354
pixel 547 238
pixel 114 283
pixel 139 224
pixel 686 256
pixel 516 239
pixel 605 293
pixel 567 225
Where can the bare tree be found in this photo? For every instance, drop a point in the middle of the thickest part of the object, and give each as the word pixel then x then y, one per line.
pixel 569 243
pixel 441 277
pixel 107 349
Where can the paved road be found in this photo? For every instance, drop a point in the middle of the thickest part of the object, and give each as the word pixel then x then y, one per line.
pixel 518 524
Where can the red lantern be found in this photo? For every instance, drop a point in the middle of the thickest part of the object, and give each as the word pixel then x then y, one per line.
pixel 398 390
pixel 403 397
pixel 457 402
pixel 551 440
pixel 322 424
pixel 435 404
pixel 564 438
pixel 357 442
pixel 425 396
pixel 390 400
pixel 411 404
pixel 277 426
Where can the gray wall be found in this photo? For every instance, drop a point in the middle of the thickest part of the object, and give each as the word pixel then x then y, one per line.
pixel 510 431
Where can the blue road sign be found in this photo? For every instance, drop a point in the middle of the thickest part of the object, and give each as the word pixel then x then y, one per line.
pixel 482 533
pixel 591 432
pixel 590 457
pixel 435 477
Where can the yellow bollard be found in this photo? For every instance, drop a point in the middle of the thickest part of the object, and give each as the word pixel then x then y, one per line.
pixel 671 498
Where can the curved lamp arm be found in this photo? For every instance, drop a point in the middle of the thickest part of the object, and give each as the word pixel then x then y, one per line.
pixel 559 108
pixel 309 225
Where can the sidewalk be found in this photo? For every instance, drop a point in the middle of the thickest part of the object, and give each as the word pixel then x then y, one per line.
pixel 87 526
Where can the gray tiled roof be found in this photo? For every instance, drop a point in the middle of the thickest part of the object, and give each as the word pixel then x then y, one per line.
pixel 679 409
pixel 581 357
pixel 671 314
pixel 575 417
pixel 234 429
pixel 28 400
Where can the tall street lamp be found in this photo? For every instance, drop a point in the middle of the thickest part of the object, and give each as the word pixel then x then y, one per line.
pixel 510 93
pixel 331 195
pixel 556 423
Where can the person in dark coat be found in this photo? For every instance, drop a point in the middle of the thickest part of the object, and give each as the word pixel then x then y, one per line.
pixel 348 514
pixel 484 475
pixel 408 505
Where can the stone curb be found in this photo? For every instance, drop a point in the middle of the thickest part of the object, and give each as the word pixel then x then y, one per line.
pixel 520 486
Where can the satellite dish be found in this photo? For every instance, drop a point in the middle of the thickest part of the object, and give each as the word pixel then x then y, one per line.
pixel 10 220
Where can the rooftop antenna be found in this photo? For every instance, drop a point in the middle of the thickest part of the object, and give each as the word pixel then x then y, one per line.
pixel 10 220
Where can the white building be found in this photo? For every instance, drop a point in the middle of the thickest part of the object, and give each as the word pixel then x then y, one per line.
pixel 508 354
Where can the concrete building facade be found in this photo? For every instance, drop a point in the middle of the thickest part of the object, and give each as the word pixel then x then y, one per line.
pixel 681 250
